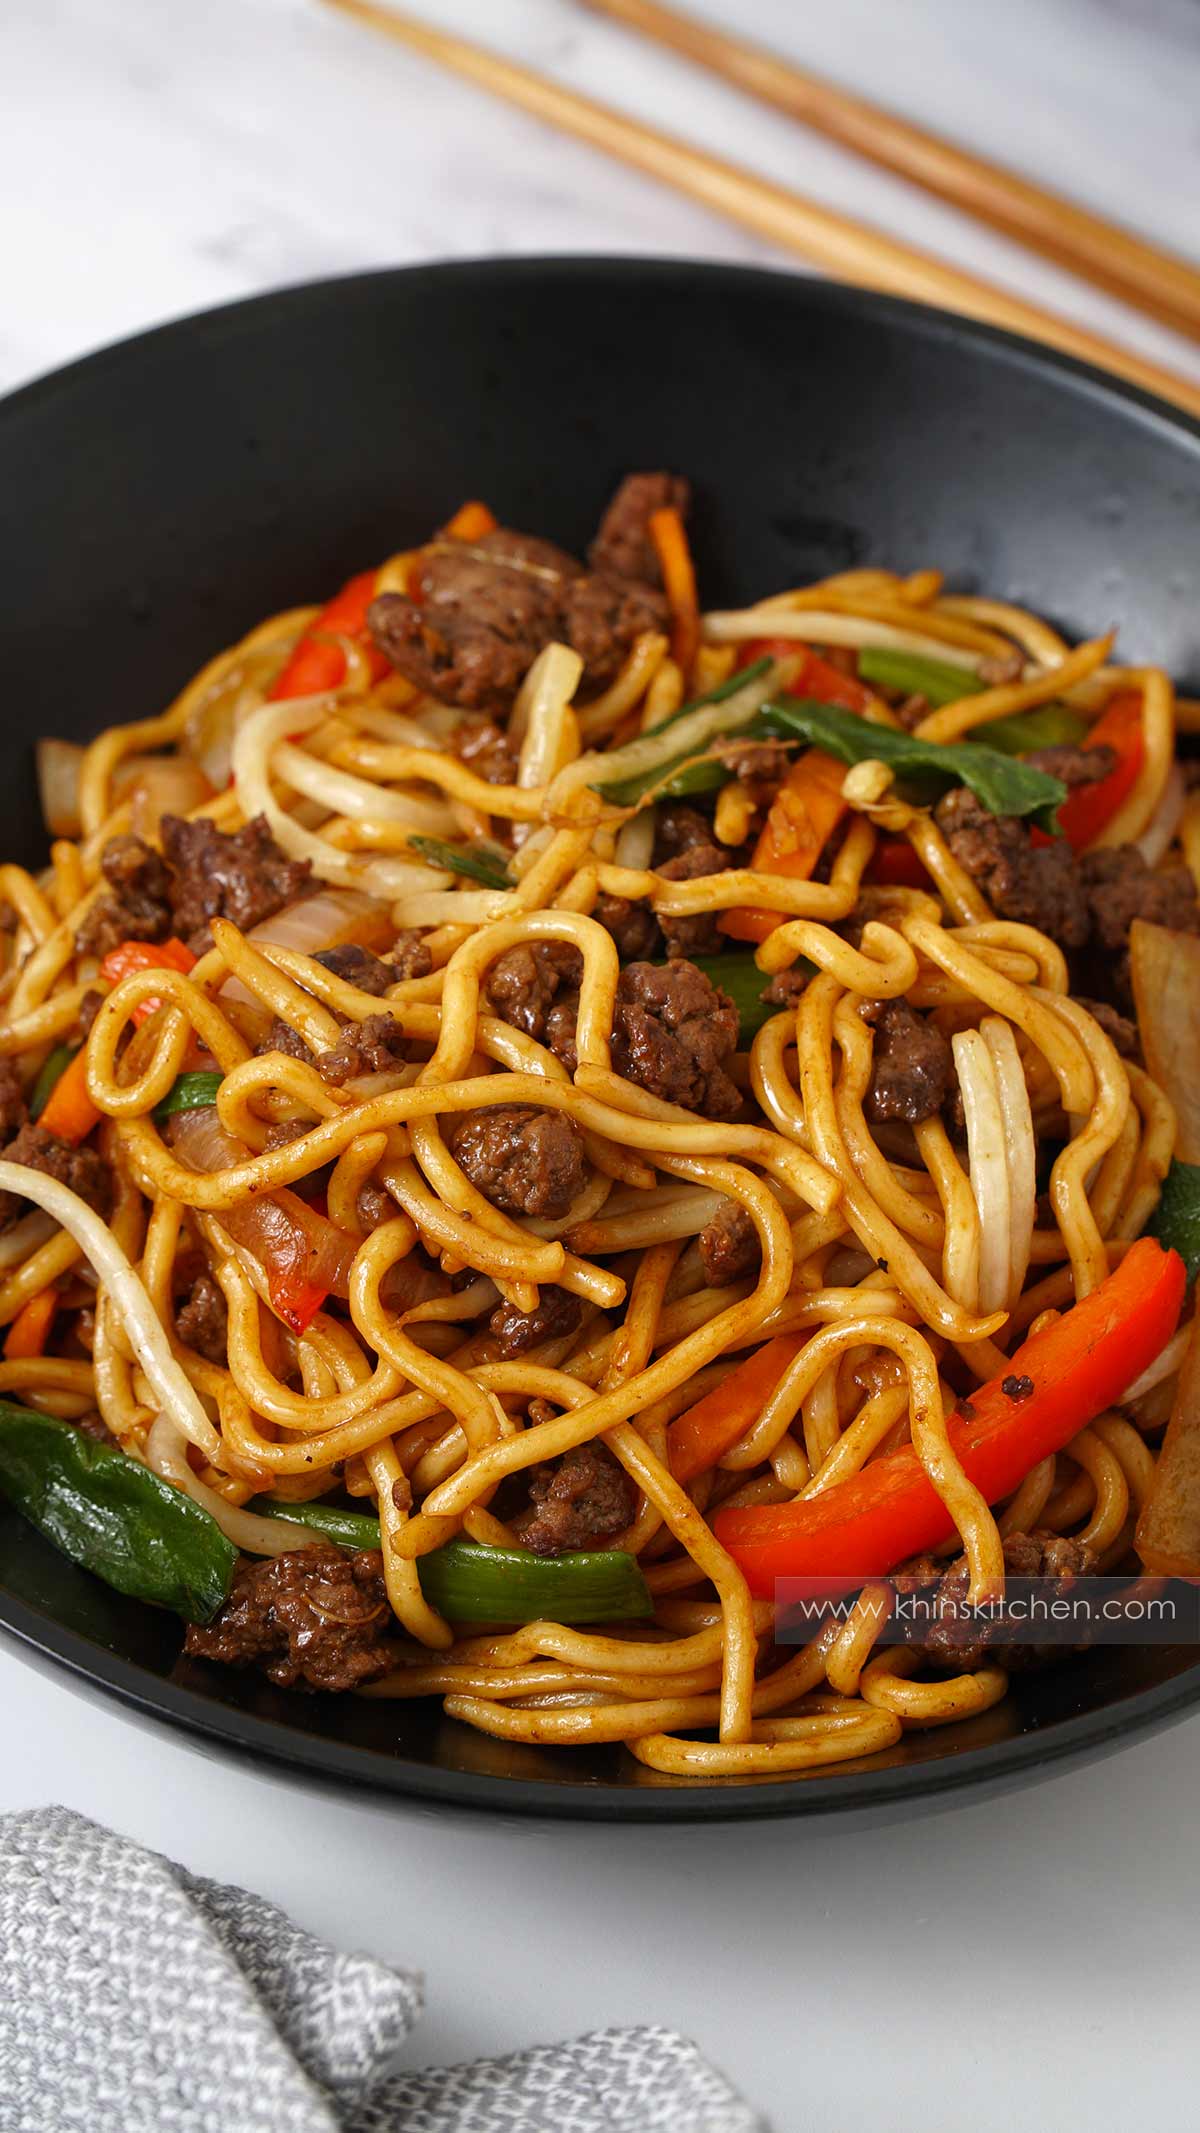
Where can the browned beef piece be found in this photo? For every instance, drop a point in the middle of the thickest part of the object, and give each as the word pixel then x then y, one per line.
pixel 672 1031
pixel 526 984
pixel 315 1618
pixel 139 908
pixel 583 1500
pixel 486 749
pixel 13 1109
pixel 81 1168
pixel 700 933
pixel 285 1132
pixel 281 1037
pixel 761 765
pixel 729 1246
pixel 410 958
pixel 672 1034
pixel 484 610
pixel 557 1312
pixel 202 1319
pixel 964 1644
pixel 375 1045
pixel 523 1159
pixel 357 966
pixel 633 927
pixel 1075 766
pixel 785 987
pixel 601 619
pixel 623 547
pixel 1035 885
pixel 242 876
pixel 1116 1026
pixel 679 828
pixel 913 1068
pixel 89 1008
pixel 1120 887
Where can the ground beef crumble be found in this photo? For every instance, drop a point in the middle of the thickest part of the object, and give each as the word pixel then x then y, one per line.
pixel 523 1159
pixel 315 1618
pixel 139 908
pixel 202 1318
pixel 556 1313
pixel 241 875
pixel 83 1170
pixel 961 1643
pixel 729 1246
pixel 912 1071
pixel 583 1500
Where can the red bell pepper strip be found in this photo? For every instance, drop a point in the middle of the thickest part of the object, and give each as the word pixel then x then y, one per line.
pixel 145 955
pixel 895 865
pixel 702 1434
pixel 318 661
pixel 1088 808
pixel 809 805
pixel 30 1329
pixel 1058 1381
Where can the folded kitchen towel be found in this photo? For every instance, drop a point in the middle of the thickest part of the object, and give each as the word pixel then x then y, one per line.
pixel 137 1998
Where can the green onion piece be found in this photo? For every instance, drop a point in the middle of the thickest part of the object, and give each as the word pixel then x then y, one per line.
pixel 485 862
pixel 473 1584
pixel 697 774
pixel 1047 726
pixel 57 1064
pixel 937 680
pixel 1001 783
pixel 724 689
pixel 106 1511
pixel 192 1092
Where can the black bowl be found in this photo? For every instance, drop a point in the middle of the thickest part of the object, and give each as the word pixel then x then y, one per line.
pixel 157 499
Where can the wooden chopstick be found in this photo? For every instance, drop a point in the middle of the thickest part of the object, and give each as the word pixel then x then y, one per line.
pixel 1157 282
pixel 847 249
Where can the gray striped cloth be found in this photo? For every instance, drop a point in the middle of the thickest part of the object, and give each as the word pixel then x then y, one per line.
pixel 137 1998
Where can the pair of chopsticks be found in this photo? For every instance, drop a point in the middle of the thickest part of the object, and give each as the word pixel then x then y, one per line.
pixel 1157 282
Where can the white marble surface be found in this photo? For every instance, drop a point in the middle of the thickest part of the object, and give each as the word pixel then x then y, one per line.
pixel 1032 1961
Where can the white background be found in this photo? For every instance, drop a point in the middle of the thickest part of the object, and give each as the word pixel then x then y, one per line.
pixel 1032 1961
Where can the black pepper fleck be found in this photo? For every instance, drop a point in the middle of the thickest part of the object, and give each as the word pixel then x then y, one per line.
pixel 1017 1388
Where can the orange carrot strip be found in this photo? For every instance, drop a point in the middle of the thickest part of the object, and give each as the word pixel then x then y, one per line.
pixel 69 1112
pixel 470 522
pixel 803 816
pixel 30 1329
pixel 679 578
pixel 703 1434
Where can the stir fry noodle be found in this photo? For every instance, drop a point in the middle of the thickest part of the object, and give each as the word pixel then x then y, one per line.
pixel 533 1112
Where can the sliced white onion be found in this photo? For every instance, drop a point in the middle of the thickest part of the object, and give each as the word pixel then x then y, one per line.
pixel 1165 1364
pixel 635 840
pixel 988 1164
pixel 129 1299
pixel 1020 1147
pixel 58 767
pixel 1165 820
pixel 684 736
pixel 164 785
pixel 329 919
pixel 253 1534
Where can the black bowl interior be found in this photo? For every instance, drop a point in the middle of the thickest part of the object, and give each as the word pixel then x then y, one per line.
pixel 159 498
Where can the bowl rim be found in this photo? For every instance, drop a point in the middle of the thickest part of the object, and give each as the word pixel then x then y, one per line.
pixel 39 1636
